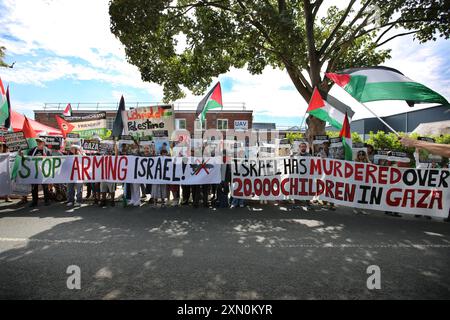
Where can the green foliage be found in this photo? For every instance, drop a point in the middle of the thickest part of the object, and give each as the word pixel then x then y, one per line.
pixel 291 136
pixel 3 64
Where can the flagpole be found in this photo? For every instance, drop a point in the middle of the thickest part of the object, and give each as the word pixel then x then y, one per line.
pixel 384 122
pixel 370 110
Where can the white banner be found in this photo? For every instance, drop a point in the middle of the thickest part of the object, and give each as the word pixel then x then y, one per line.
pixel 5 185
pixel 129 169
pixel 352 184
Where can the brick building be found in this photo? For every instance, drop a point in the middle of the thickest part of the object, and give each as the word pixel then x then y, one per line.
pixel 231 116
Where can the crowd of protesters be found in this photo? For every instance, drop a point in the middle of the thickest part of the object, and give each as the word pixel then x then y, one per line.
pixel 136 194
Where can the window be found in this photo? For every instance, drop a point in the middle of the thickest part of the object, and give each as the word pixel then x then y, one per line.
pixel 197 125
pixel 222 124
pixel 180 124
pixel 109 123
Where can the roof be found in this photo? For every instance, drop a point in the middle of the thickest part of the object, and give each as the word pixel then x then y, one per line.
pixel 433 128
pixel 264 126
pixel 18 119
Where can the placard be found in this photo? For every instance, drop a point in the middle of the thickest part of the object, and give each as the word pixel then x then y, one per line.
pixel 16 141
pixel 88 126
pixel 155 121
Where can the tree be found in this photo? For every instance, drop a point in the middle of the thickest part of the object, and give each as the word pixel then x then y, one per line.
pixel 289 35
pixel 3 64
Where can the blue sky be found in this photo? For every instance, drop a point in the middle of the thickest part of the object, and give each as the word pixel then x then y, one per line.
pixel 66 53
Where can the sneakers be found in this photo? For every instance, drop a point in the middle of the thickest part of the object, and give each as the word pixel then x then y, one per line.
pixel 69 204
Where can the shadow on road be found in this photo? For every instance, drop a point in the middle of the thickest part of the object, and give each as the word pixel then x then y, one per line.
pixel 258 252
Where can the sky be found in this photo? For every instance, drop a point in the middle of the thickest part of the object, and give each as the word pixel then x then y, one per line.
pixel 64 52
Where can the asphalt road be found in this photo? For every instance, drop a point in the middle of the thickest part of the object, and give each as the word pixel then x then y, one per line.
pixel 258 252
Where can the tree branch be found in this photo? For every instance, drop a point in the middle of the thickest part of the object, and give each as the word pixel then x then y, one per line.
pixel 336 28
pixel 397 35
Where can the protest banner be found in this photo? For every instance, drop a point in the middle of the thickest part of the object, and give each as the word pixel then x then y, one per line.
pixel 156 121
pixel 123 169
pixel 357 185
pixel 5 186
pixel 356 148
pixel 89 125
pixel 15 141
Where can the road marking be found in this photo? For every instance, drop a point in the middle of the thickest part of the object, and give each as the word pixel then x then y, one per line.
pixel 50 240
pixel 356 246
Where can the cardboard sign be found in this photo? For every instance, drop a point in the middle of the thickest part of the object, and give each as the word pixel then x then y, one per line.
pixel 15 141
pixel 91 145
pixel 155 121
pixel 52 142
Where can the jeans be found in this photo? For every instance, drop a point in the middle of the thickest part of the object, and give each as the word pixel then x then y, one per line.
pixel 237 202
pixel 71 187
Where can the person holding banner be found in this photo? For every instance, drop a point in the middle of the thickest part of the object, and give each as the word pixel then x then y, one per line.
pixel 108 187
pixel 40 151
pixel 75 150
pixel 159 191
pixel 135 188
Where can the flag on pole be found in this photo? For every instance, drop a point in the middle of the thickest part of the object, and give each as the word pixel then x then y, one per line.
pixel 212 100
pixel 30 135
pixel 327 108
pixel 118 122
pixel 383 83
pixel 346 136
pixel 64 126
pixel 68 111
pixel 5 110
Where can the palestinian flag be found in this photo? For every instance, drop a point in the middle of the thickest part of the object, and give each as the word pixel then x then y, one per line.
pixel 118 122
pixel 30 135
pixel 329 109
pixel 212 100
pixel 383 83
pixel 68 111
pixel 64 126
pixel 346 136
pixel 5 109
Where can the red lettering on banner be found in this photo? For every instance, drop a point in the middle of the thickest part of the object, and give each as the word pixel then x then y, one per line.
pixel 436 195
pixel 283 187
pixel 409 195
pixel 395 176
pixel 98 163
pixel 393 202
pixel 371 169
pixel 383 175
pixel 320 187
pixel 75 168
pixel 338 191
pixel 294 186
pixel 123 163
pixel 349 192
pixel 348 170
pixel 315 165
pixel 327 170
pixel 337 169
pixel 275 183
pixel 86 163
pixel 359 172
pixel 303 192
pixel 329 185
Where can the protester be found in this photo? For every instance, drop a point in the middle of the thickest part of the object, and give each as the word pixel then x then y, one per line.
pixel 147 151
pixel 75 150
pixel 39 151
pixel 442 150
pixel 370 152
pixel 108 187
pixel 159 191
pixel 361 156
pixel 4 149
pixel 135 188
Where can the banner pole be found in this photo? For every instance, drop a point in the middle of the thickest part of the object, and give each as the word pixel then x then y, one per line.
pixel 384 122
